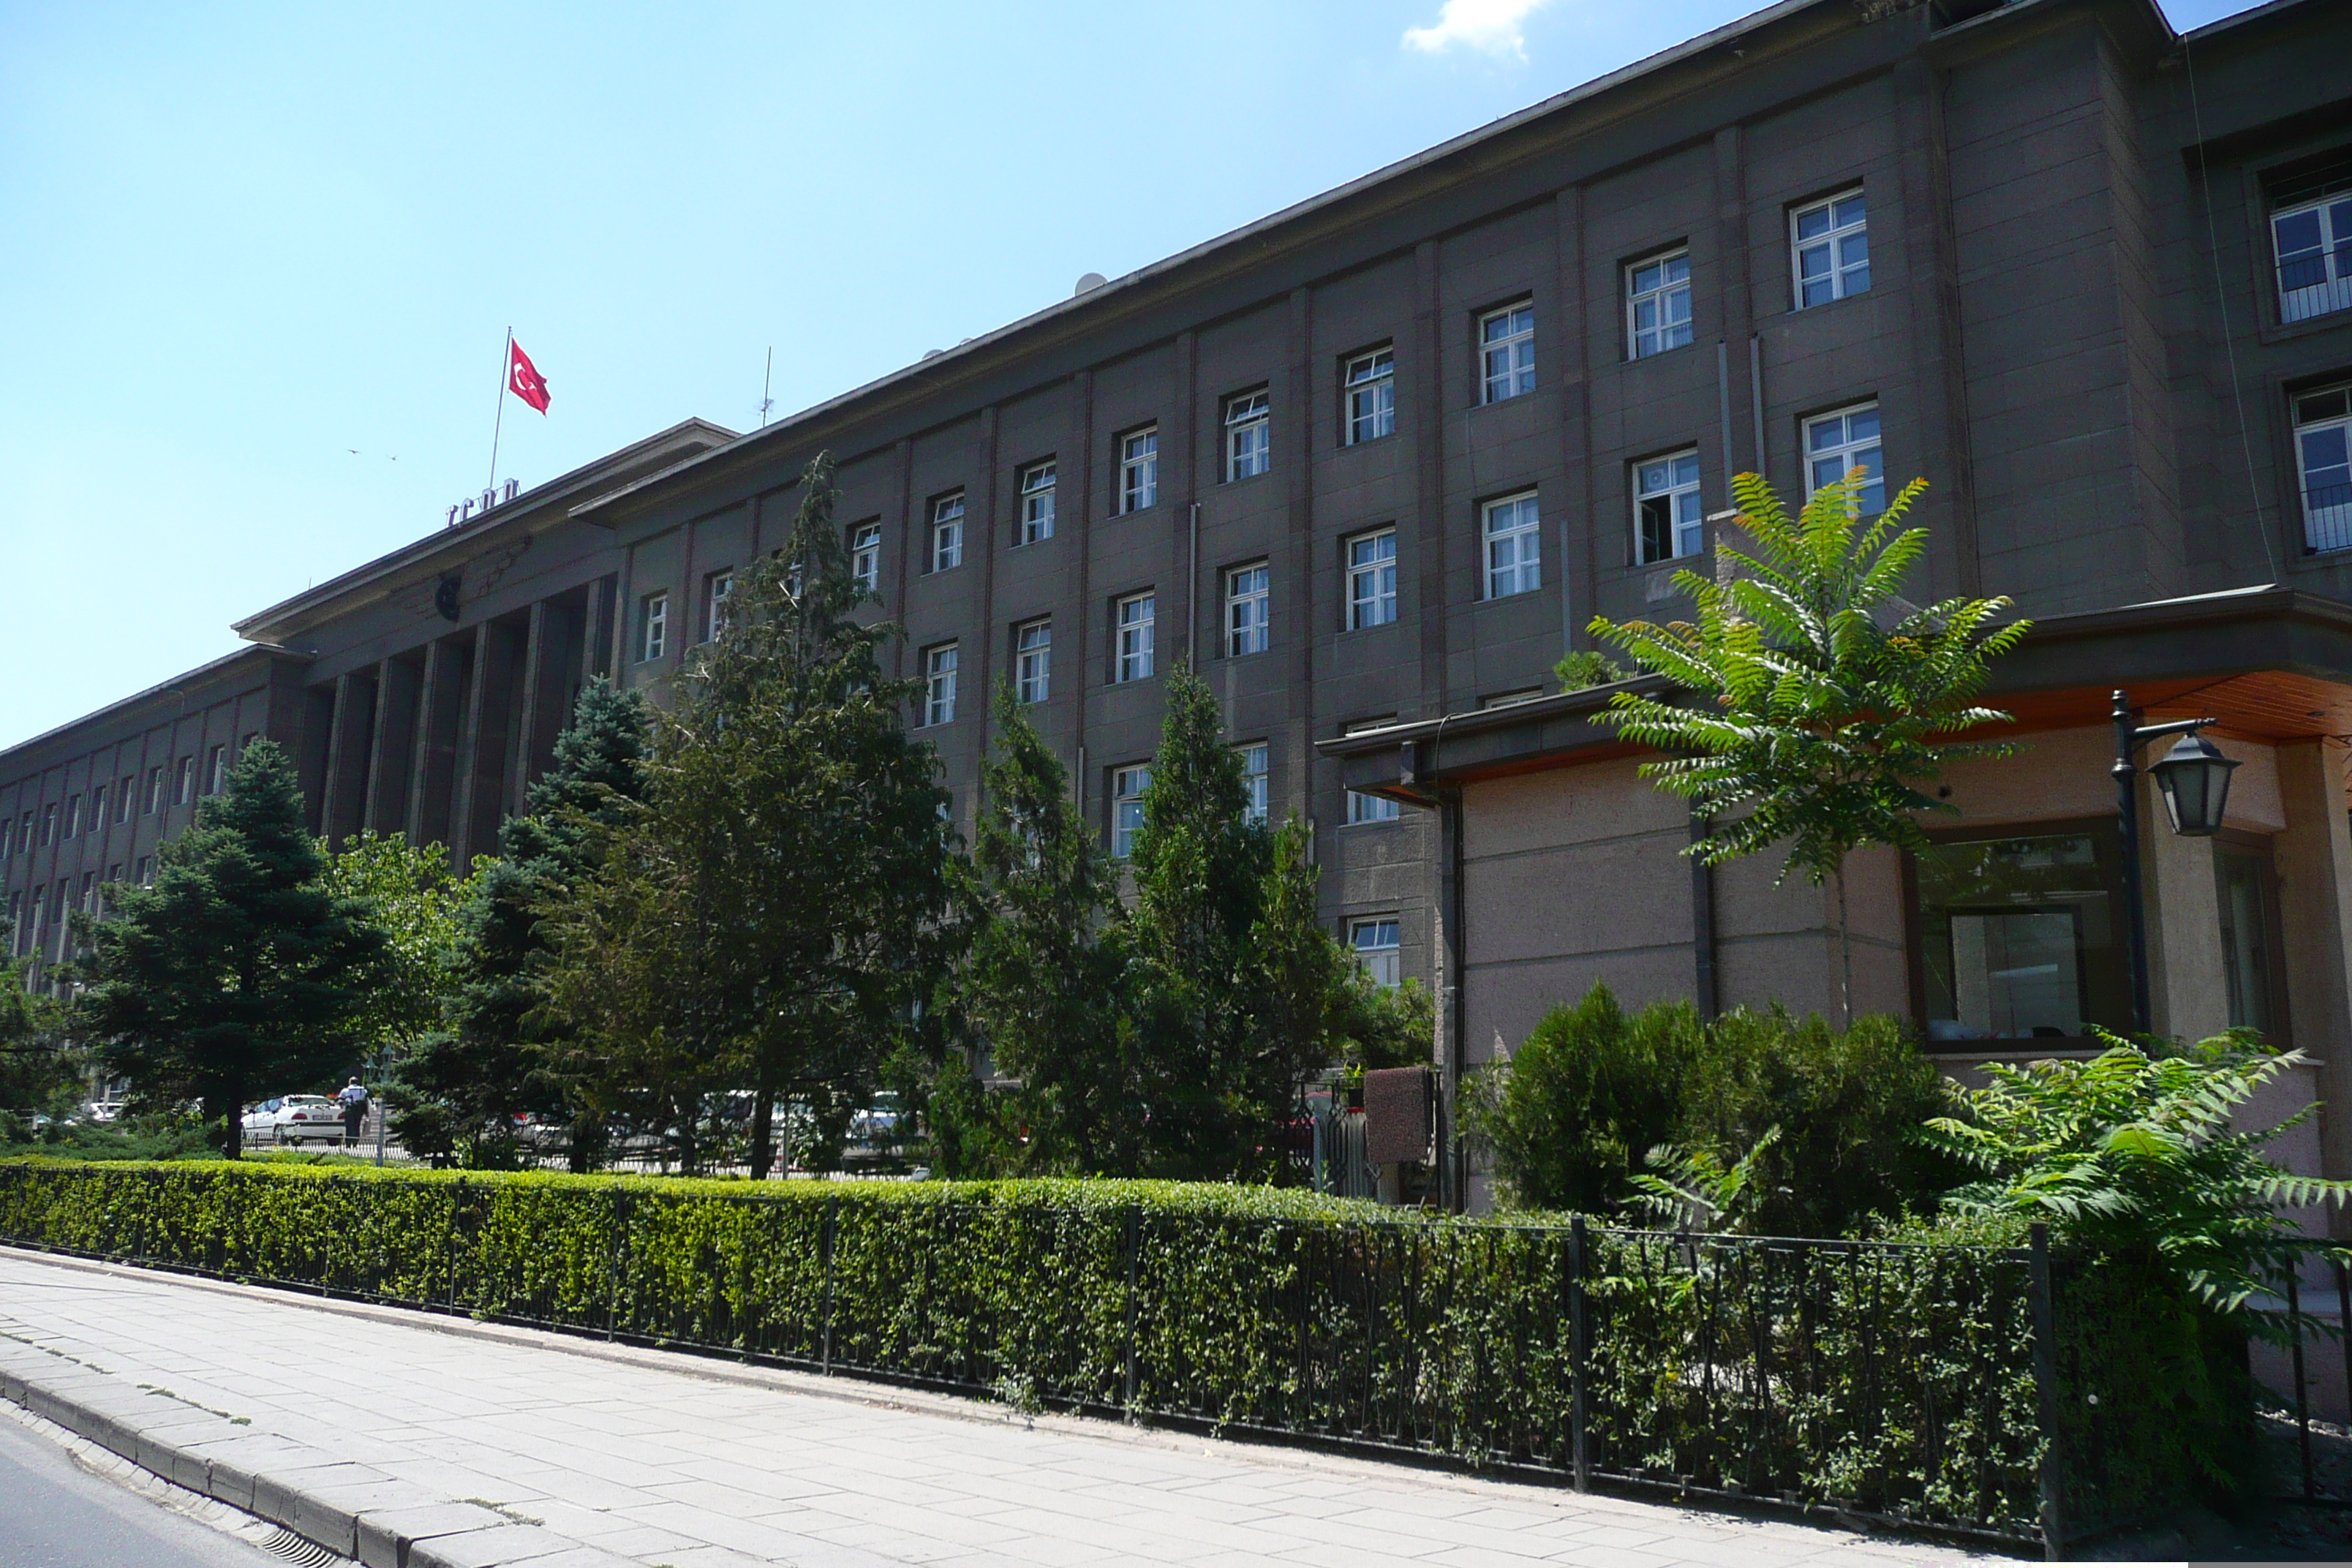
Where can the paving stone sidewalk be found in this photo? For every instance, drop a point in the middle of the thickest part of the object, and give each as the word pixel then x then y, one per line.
pixel 659 1458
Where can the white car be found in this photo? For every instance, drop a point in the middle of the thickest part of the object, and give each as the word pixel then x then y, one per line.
pixel 295 1119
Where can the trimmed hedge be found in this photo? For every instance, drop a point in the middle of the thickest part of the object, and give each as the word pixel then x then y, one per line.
pixel 1893 1380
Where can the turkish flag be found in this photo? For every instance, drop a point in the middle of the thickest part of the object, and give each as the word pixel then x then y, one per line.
pixel 523 378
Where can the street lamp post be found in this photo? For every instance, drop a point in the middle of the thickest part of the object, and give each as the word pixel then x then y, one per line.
pixel 2195 778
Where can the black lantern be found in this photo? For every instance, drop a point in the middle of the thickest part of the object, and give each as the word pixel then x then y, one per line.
pixel 2195 778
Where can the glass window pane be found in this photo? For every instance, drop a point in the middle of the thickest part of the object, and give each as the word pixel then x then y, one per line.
pixel 2018 939
pixel 1813 221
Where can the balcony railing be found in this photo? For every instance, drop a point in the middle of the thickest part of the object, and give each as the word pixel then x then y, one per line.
pixel 2310 287
pixel 2326 518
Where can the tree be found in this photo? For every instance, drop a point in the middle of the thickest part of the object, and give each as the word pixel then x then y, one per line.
pixel 788 863
pixel 239 969
pixel 415 900
pixel 1039 983
pixel 1815 699
pixel 37 1071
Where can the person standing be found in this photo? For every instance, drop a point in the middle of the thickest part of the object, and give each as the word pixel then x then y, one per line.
pixel 354 1101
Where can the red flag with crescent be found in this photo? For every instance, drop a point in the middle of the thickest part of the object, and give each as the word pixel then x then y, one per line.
pixel 523 378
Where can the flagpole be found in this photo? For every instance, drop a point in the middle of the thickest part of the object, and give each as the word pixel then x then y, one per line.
pixel 506 365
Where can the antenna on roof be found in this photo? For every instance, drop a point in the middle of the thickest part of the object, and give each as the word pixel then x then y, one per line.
pixel 766 383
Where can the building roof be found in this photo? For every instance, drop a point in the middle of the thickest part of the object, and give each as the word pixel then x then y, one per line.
pixel 253 653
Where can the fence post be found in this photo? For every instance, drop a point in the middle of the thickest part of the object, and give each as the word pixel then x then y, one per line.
pixel 825 1245
pixel 2045 1384
pixel 2301 1394
pixel 1580 1457
pixel 1133 1225
pixel 449 1243
pixel 620 1224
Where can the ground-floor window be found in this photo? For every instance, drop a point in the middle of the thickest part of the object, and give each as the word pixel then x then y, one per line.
pixel 1377 949
pixel 2245 890
pixel 2021 938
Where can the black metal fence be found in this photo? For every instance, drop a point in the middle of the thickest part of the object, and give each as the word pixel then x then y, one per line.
pixel 1920 1386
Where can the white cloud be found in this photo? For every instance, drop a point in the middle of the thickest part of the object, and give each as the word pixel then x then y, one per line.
pixel 1491 25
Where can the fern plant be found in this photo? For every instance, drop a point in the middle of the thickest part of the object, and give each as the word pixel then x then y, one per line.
pixel 2139 1154
pixel 1692 1189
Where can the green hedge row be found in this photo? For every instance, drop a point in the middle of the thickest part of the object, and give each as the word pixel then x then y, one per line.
pixel 1894 1381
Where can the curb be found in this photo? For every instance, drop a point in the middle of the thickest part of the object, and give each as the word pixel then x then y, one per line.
pixel 354 1510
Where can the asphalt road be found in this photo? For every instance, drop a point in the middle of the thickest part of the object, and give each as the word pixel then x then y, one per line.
pixel 55 1514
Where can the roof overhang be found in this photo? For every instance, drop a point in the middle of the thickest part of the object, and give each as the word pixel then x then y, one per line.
pixel 175 691
pixel 2272 664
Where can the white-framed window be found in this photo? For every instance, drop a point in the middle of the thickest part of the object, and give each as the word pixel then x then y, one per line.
pixel 1127 787
pixel 1668 518
pixel 1364 808
pixel 653 627
pixel 1032 660
pixel 1372 579
pixel 939 683
pixel 146 872
pixel 1373 940
pixel 2323 456
pixel 216 770
pixel 2313 239
pixel 714 589
pixel 1513 533
pixel 73 815
pixel 1254 755
pixel 1368 384
pixel 187 787
pixel 946 531
pixel 1247 628
pixel 1657 304
pixel 1037 503
pixel 1133 623
pixel 1249 435
pixel 123 790
pixel 1837 443
pixel 1507 353
pixel 865 555
pixel 1139 468
pixel 154 790
pixel 1829 243
pixel 89 900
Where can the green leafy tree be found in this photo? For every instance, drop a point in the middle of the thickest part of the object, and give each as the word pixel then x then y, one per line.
pixel 1814 700
pixel 1040 983
pixel 37 1069
pixel 240 970
pixel 415 900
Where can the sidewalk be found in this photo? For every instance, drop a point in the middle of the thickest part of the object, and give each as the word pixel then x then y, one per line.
pixel 427 1442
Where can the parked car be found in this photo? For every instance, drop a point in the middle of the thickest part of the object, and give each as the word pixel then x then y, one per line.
pixel 295 1119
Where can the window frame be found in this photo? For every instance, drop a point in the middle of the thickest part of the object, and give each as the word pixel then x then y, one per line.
pixel 1134 657
pixel 1036 499
pixel 716 587
pixel 154 790
pixel 1367 810
pixel 946 515
pixel 1379 382
pixel 1257 804
pixel 1877 442
pixel 1390 953
pixel 186 793
pixel 1258 600
pixel 1662 295
pixel 1139 468
pixel 1247 417
pixel 865 541
pixel 1526 570
pixel 1520 375
pixel 217 768
pixel 2332 209
pixel 653 626
pixel 2322 535
pixel 1128 783
pixel 1033 663
pixel 125 788
pixel 943 663
pixel 1676 487
pixel 1351 571
pixel 1829 239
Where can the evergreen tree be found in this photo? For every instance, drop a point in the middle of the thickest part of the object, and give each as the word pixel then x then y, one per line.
pixel 1039 984
pixel 240 971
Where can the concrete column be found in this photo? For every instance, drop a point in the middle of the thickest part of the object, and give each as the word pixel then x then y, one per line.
pixel 397 682
pixel 440 715
pixel 350 749
pixel 2187 996
pixel 2315 883
pixel 534 669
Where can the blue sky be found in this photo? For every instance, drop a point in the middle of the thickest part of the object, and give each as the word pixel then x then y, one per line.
pixel 258 260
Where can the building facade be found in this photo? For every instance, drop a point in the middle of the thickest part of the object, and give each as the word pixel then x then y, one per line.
pixel 1374 463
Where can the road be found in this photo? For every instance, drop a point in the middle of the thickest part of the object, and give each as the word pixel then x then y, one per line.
pixel 55 1514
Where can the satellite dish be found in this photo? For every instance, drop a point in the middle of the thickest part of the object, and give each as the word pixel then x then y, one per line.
pixel 1087 283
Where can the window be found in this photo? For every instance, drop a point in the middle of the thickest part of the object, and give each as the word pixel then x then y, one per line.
pixel 1249 436
pixel 1246 627
pixel 865 555
pixel 1036 502
pixel 24 834
pixel 940 684
pixel 49 822
pixel 1513 546
pixel 2242 878
pixel 37 909
pixel 1372 579
pixel 245 740
pixel 154 791
pixel 2323 456
pixel 2019 937
pixel 714 589
pixel 2314 251
pixel 89 902
pixel 1370 382
pixel 1254 763
pixel 1667 517
pixel 186 790
pixel 1032 660
pixel 216 770
pixel 1133 625
pixel 73 815
pixel 15 923
pixel 1837 443
pixel 653 627
pixel 1831 241
pixel 1375 944
pixel 1139 469
pixel 146 870
pixel 946 531
pixel 124 789
pixel 1127 787
pixel 1507 353
pixel 1657 304
pixel 1370 807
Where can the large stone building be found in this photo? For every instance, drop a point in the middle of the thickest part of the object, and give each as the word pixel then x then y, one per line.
pixel 1372 463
